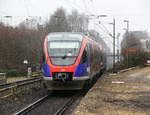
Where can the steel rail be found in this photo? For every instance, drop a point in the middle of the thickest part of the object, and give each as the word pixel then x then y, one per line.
pixel 66 106
pixel 37 103
pixel 60 111
pixel 31 106
pixel 17 82
pixel 21 84
pixel 11 89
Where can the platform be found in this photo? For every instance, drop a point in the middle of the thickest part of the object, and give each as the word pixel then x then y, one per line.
pixel 126 93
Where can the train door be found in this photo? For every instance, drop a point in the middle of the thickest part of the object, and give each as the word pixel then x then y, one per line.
pixel 88 58
pixel 91 59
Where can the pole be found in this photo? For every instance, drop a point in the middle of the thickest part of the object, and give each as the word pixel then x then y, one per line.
pixel 127 21
pixel 127 31
pixel 118 56
pixel 127 26
pixel 127 44
pixel 114 46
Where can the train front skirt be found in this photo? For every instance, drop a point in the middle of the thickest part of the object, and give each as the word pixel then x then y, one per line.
pixel 75 84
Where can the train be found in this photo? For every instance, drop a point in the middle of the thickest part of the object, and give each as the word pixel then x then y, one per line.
pixel 70 59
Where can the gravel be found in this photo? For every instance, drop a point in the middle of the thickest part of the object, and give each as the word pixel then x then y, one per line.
pixel 14 103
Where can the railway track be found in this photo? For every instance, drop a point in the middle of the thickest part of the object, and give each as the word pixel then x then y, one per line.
pixel 63 107
pixel 4 85
pixel 31 106
pixel 9 89
pixel 53 104
pixel 66 106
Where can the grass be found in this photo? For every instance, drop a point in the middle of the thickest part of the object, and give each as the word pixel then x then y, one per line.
pixel 13 79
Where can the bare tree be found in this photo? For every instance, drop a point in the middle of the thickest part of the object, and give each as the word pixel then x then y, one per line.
pixel 133 39
pixel 18 44
pixel 134 49
pixel 58 22
pixel 78 22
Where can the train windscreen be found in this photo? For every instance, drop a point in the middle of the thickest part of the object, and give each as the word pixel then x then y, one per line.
pixel 63 52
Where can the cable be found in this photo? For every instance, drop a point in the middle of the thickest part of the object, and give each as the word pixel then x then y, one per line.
pixel 27 9
pixel 104 33
pixel 93 5
pixel 108 32
pixel 105 30
pixel 72 5
pixel 89 12
pixel 85 7
pixel 107 35
pixel 76 6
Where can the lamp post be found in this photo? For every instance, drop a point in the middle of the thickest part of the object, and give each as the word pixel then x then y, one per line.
pixel 26 65
pixel 127 21
pixel 8 17
pixel 118 55
pixel 114 23
pixel 29 71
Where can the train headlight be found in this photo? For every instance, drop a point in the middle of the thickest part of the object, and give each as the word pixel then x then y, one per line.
pixel 88 69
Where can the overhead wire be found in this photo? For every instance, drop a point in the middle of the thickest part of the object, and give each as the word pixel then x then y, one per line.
pixel 74 5
pixel 85 9
pixel 107 31
pixel 103 28
pixel 92 3
pixel 26 7
pixel 106 34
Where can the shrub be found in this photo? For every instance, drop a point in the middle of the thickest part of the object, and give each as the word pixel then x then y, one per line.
pixel 136 59
pixel 10 73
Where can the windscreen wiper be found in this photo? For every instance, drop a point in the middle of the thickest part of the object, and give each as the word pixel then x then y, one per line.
pixel 65 56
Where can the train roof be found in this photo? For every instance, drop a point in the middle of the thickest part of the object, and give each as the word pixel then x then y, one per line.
pixel 65 36
pixel 75 36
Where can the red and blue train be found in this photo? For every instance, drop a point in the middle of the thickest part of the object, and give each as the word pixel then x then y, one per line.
pixel 70 59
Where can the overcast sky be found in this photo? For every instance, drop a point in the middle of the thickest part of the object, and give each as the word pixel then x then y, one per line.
pixel 136 11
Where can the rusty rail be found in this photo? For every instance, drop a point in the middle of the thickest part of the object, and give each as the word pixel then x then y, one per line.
pixel 9 89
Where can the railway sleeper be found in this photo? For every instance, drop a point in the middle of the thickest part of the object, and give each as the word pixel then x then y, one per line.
pixel 16 89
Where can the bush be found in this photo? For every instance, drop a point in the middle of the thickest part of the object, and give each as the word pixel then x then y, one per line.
pixel 136 59
pixel 10 73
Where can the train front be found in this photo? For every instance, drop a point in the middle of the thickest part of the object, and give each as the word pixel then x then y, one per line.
pixel 61 62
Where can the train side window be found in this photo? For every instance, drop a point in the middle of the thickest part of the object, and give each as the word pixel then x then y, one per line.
pixel 88 51
pixel 84 56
